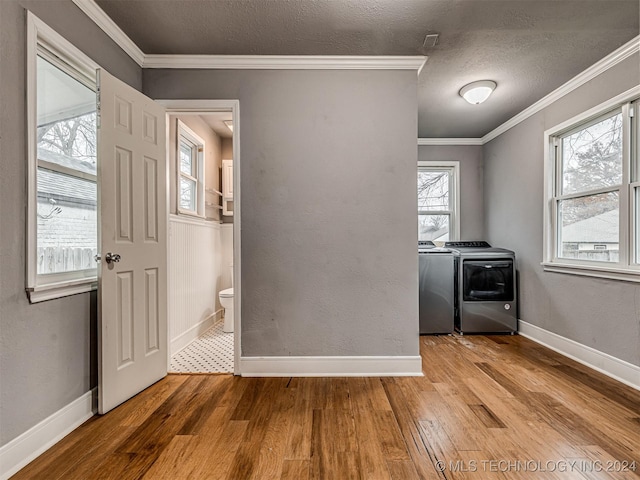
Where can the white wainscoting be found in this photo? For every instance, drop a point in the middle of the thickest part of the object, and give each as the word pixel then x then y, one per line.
pixel 226 236
pixel 401 366
pixel 23 449
pixel 609 365
pixel 195 278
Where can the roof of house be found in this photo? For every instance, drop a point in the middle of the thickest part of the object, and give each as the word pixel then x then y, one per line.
pixel 61 187
pixel 601 228
pixel 67 161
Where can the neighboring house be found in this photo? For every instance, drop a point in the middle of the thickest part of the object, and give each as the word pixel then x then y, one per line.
pixel 67 216
pixel 595 238
pixel 429 232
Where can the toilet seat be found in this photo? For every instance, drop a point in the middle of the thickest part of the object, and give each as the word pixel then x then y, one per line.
pixel 226 293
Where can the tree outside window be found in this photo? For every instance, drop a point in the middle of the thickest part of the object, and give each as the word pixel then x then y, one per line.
pixel 436 205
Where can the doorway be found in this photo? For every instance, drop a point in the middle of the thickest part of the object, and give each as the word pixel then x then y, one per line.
pixel 204 223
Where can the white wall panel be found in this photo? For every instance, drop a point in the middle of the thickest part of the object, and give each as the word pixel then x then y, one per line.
pixel 195 278
pixel 226 258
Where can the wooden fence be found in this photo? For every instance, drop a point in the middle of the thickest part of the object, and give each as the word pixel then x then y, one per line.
pixel 65 259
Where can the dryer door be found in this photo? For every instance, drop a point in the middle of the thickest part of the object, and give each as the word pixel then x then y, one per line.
pixel 488 280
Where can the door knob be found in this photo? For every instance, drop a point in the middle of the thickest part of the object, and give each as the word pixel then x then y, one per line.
pixel 112 257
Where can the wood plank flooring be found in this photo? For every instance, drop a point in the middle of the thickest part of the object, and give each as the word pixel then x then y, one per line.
pixel 487 407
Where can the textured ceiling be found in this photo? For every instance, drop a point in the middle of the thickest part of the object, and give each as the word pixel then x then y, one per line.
pixel 528 47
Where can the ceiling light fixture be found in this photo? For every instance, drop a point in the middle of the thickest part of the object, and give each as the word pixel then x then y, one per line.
pixel 477 92
pixel 229 124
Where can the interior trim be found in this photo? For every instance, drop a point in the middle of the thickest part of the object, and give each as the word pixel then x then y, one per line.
pixel 188 107
pixel 597 271
pixel 604 363
pixel 615 57
pixel 23 449
pixel 394 366
pixel 42 293
pixel 450 141
pixel 286 62
pixel 193 220
pixel 108 26
pixel 251 62
pixel 95 13
pixel 185 339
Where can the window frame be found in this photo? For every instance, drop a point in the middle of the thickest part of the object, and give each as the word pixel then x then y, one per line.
pixel 197 145
pixel 45 42
pixel 627 268
pixel 453 170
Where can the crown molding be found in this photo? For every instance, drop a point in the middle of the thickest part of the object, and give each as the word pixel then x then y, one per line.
pixel 286 62
pixel 251 62
pixel 108 26
pixel 615 57
pixel 449 141
pixel 95 13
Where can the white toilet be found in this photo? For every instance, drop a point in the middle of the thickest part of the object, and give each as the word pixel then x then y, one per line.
pixel 226 300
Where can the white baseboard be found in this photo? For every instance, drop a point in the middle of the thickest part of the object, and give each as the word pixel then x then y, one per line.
pixel 331 366
pixel 21 450
pixel 609 365
pixel 184 339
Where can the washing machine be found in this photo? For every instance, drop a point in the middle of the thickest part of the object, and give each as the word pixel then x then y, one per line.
pixel 437 289
pixel 486 295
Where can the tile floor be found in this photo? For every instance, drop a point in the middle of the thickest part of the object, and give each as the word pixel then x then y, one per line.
pixel 212 352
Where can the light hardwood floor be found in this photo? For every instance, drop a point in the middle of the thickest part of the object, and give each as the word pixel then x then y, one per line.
pixel 487 407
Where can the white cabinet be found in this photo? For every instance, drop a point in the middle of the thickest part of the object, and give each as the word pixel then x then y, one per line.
pixel 227 179
pixel 227 187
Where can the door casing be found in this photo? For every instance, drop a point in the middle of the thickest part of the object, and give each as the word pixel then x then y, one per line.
pixel 203 107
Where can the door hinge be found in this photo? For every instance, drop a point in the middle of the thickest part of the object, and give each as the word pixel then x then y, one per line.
pixel 631 111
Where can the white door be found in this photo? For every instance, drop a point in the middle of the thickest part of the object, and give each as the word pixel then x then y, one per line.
pixel 132 274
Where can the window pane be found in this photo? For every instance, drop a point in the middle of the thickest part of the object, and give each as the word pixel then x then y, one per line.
pixel 66 117
pixel 589 227
pixel 186 159
pixel 433 227
pixel 66 223
pixel 433 190
pixel 592 157
pixel 187 194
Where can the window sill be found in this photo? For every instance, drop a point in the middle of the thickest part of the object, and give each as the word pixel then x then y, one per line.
pixel 609 273
pixel 42 293
pixel 189 213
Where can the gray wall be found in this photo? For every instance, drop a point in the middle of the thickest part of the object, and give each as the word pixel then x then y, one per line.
pixel 47 351
pixel 602 314
pixel 329 262
pixel 471 183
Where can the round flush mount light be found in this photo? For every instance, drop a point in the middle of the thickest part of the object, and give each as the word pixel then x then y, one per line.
pixel 478 92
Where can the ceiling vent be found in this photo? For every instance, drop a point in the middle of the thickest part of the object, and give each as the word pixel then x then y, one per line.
pixel 431 40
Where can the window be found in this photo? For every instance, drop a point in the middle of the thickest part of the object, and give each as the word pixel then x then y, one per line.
pixel 66 172
pixel 592 192
pixel 438 201
pixel 62 231
pixel 190 161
